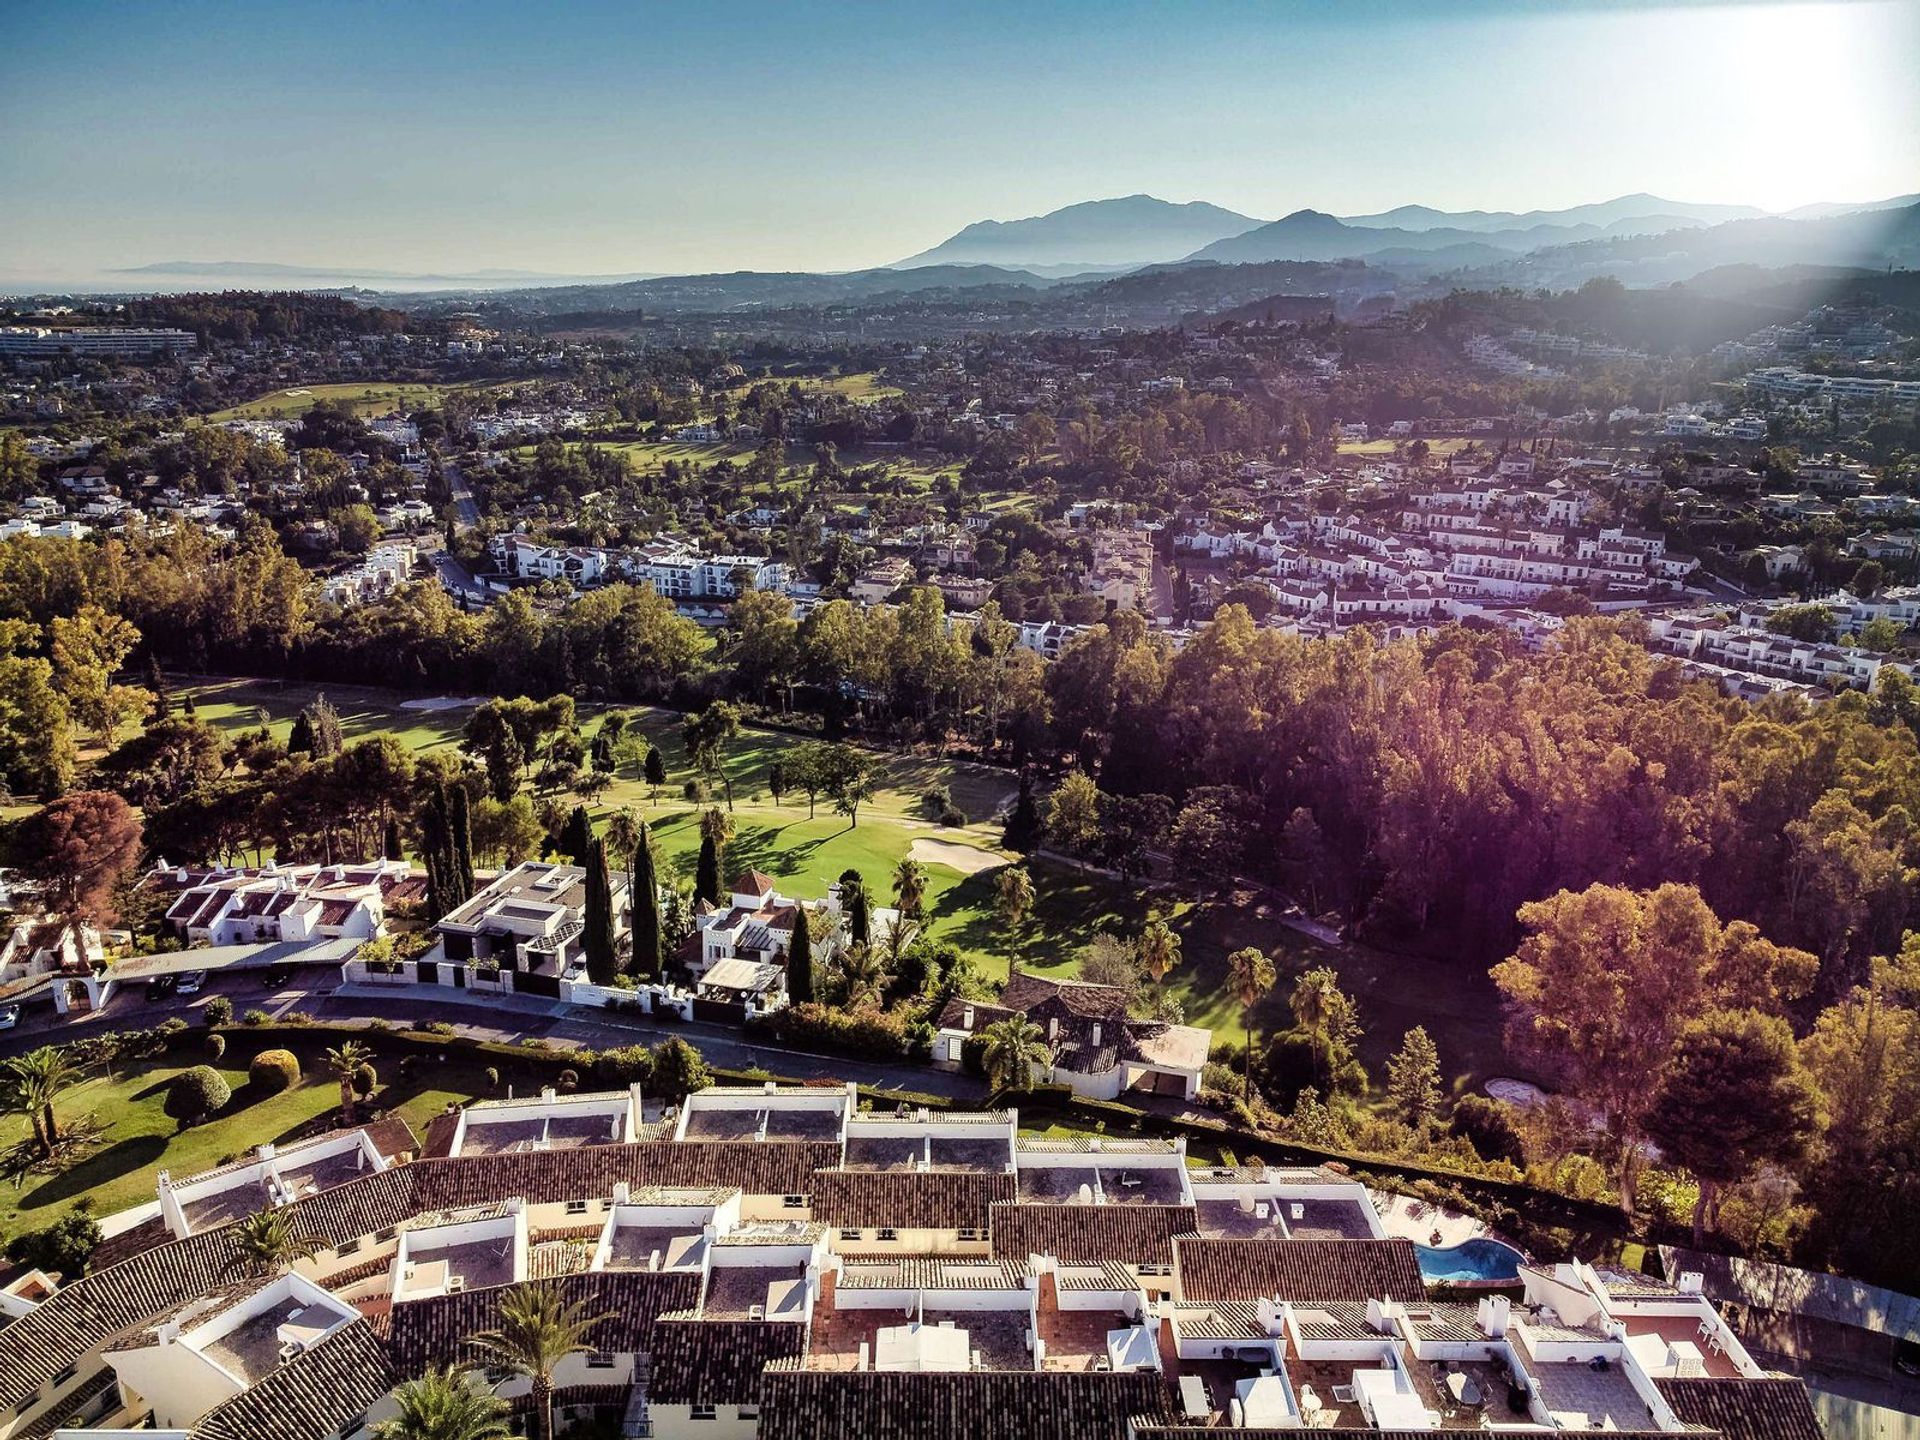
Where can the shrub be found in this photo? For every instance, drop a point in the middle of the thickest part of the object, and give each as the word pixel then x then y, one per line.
pixel 492 1078
pixel 273 1071
pixel 255 1016
pixel 217 1011
pixel 1488 1125
pixel 623 1066
pixel 678 1070
pixel 296 1017
pixel 363 1080
pixel 861 1035
pixel 216 1046
pixel 973 1055
pixel 953 817
pixel 196 1094
pixel 438 1027
pixel 171 1029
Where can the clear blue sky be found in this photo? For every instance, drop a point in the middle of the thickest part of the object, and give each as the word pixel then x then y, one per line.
pixel 613 137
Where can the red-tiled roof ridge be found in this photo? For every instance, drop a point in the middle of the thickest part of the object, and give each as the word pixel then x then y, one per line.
pixel 1302 1270
pixel 1776 1407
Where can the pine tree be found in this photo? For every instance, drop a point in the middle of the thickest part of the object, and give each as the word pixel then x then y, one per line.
pixel 645 900
pixel 706 878
pixel 328 739
pixel 800 960
pixel 603 963
pixel 299 739
pixel 1413 1079
pixel 656 768
pixel 391 847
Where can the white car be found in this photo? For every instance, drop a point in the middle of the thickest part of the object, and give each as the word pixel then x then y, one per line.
pixel 192 981
pixel 9 1016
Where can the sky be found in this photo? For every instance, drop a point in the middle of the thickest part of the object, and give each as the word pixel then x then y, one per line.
pixel 609 138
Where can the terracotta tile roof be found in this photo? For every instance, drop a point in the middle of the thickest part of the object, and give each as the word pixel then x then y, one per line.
pixel 717 1362
pixel 1234 1432
pixel 1028 992
pixel 1302 1270
pixel 1130 1234
pixel 910 1199
pixel 754 882
pixel 437 1331
pixel 926 1272
pixel 1776 1408
pixel 128 1243
pixel 966 1405
pixel 312 1396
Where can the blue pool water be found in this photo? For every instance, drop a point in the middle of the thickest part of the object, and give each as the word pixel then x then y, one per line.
pixel 1470 1262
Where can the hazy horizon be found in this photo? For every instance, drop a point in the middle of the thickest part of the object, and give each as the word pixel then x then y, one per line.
pixel 601 140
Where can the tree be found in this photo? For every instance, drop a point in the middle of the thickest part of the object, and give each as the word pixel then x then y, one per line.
pixel 1882 634
pixel 1601 987
pixel 80 847
pixel 777 779
pixel 706 736
pixel 656 771
pixel 1328 1017
pixel 269 1244
pixel 910 888
pixel 1734 1097
pixel 88 648
pixel 1413 1079
pixel 196 1094
pixel 854 905
pixel 603 962
pixel 37 748
pixel 1208 837
pixel 1073 812
pixel 538 1328
pixel 643 886
pixel 678 1070
pixel 505 833
pixel 577 838
pixel 1159 949
pixel 853 785
pixel 1013 896
pixel 446 1404
pixel 1014 1048
pixel 800 959
pixel 317 731
pixel 29 1084
pixel 706 875
pixel 62 1248
pixel 1250 975
pixel 345 1060
pixel 1023 829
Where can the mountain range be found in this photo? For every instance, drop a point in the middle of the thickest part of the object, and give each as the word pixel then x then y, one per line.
pixel 1142 230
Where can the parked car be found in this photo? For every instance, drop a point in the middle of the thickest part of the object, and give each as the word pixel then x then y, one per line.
pixel 9 1016
pixel 276 977
pixel 192 982
pixel 161 987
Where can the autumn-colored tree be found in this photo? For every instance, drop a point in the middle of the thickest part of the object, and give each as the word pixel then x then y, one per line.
pixel 80 847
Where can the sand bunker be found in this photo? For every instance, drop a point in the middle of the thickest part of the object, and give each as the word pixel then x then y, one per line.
pixel 967 859
pixel 445 702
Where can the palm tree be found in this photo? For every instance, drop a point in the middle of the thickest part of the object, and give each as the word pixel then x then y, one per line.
pixel 1159 949
pixel 268 1243
pixel 345 1061
pixel 863 969
pixel 1322 1009
pixel 29 1084
pixel 1250 975
pixel 445 1404
pixel 910 887
pixel 538 1329
pixel 1015 1046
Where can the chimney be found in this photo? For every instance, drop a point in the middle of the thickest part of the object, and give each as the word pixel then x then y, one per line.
pixel 1053 1030
pixel 1495 1312
pixel 1378 1318
pixel 1269 1316
pixel 966 1020
pixel 547 1092
pixel 1692 1282
pixel 622 1192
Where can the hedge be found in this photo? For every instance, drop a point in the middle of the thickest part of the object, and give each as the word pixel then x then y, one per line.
pixel 272 1071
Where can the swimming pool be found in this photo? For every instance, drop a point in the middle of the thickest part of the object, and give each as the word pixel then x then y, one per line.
pixel 1472 1262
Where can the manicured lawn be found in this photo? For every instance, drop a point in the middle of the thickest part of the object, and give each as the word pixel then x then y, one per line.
pixel 366 397
pixel 1439 448
pixel 141 1140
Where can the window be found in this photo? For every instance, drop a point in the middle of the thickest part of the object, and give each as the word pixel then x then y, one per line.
pixel 66 1374
pixel 348 1247
pixel 886 1234
pixel 748 1412
pixel 703 1412
pixel 969 1233
pixel 599 1360
pixel 27 1404
pixel 853 1235
pixel 794 1202
pixel 576 1207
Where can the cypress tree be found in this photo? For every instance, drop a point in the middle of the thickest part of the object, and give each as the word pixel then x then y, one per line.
pixel 1023 821
pixel 299 739
pixel 460 843
pixel 645 900
pixel 853 898
pixel 391 847
pixel 602 960
pixel 577 838
pixel 800 960
pixel 706 879
pixel 162 693
pixel 434 853
pixel 656 768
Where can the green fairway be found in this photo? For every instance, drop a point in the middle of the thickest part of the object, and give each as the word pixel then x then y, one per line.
pixel 366 397
pixel 140 1139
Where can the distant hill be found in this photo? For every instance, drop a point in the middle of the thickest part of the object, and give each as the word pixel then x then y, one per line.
pixel 757 289
pixel 1604 215
pixel 1098 234
pixel 273 274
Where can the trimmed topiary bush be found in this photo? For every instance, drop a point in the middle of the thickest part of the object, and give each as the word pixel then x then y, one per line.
pixel 364 1079
pixel 216 1046
pixel 273 1071
pixel 196 1094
